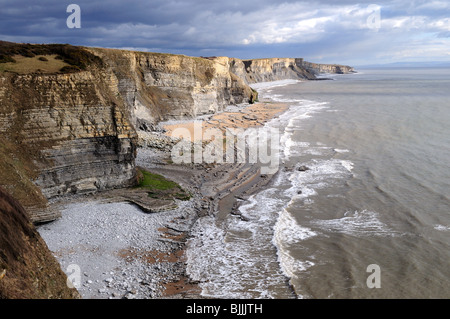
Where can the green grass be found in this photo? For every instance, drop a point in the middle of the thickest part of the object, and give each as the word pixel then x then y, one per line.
pixel 156 182
pixel 160 187
pixel 254 97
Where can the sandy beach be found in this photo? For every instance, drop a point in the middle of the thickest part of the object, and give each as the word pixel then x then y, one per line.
pixel 253 115
pixel 125 251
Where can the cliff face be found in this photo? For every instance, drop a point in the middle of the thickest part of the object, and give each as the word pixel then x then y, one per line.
pixel 274 69
pixel 158 87
pixel 73 131
pixel 317 68
pixel 28 270
pixel 67 133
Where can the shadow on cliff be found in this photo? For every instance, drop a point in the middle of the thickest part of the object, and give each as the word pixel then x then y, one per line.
pixel 28 270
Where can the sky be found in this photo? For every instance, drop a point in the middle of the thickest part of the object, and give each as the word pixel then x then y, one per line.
pixel 344 32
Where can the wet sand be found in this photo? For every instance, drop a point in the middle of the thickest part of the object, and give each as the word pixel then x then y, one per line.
pixel 251 116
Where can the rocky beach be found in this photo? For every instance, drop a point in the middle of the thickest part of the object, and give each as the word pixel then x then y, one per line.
pixel 207 158
pixel 125 251
pixel 88 150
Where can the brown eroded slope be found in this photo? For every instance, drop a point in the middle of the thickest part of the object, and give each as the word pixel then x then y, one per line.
pixel 27 268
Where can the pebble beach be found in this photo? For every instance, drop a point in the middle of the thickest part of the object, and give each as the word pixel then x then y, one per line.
pixel 112 249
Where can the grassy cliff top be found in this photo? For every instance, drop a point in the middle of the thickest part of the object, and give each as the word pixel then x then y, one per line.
pixel 45 58
pixel 38 63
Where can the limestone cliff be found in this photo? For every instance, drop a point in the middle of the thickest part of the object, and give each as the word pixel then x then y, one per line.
pixel 73 131
pixel 68 120
pixel 272 69
pixel 158 87
pixel 317 68
pixel 63 134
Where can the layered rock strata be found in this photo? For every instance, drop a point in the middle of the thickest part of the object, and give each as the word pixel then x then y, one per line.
pixel 317 68
pixel 274 69
pixel 69 133
pixel 75 133
pixel 157 87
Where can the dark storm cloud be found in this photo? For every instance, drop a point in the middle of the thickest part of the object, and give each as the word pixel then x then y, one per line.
pixel 321 30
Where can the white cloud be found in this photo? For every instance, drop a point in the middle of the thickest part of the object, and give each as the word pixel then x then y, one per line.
pixel 303 23
pixel 441 24
pixel 434 5
pixel 323 29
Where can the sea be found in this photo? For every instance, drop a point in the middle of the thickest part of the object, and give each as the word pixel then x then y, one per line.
pixel 360 205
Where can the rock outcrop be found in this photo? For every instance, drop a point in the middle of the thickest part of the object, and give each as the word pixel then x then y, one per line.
pixel 74 131
pixel 266 70
pixel 274 69
pixel 28 270
pixel 158 87
pixel 68 133
pixel 317 68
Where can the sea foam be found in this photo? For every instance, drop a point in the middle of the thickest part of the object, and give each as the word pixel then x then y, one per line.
pixel 357 223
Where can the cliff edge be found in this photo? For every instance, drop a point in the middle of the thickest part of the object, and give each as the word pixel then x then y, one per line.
pixel 157 87
pixel 274 69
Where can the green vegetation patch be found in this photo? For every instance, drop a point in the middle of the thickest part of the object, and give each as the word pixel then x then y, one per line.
pixel 155 181
pixel 254 96
pixel 160 187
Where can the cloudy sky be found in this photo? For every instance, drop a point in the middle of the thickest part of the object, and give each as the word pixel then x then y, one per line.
pixel 348 32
